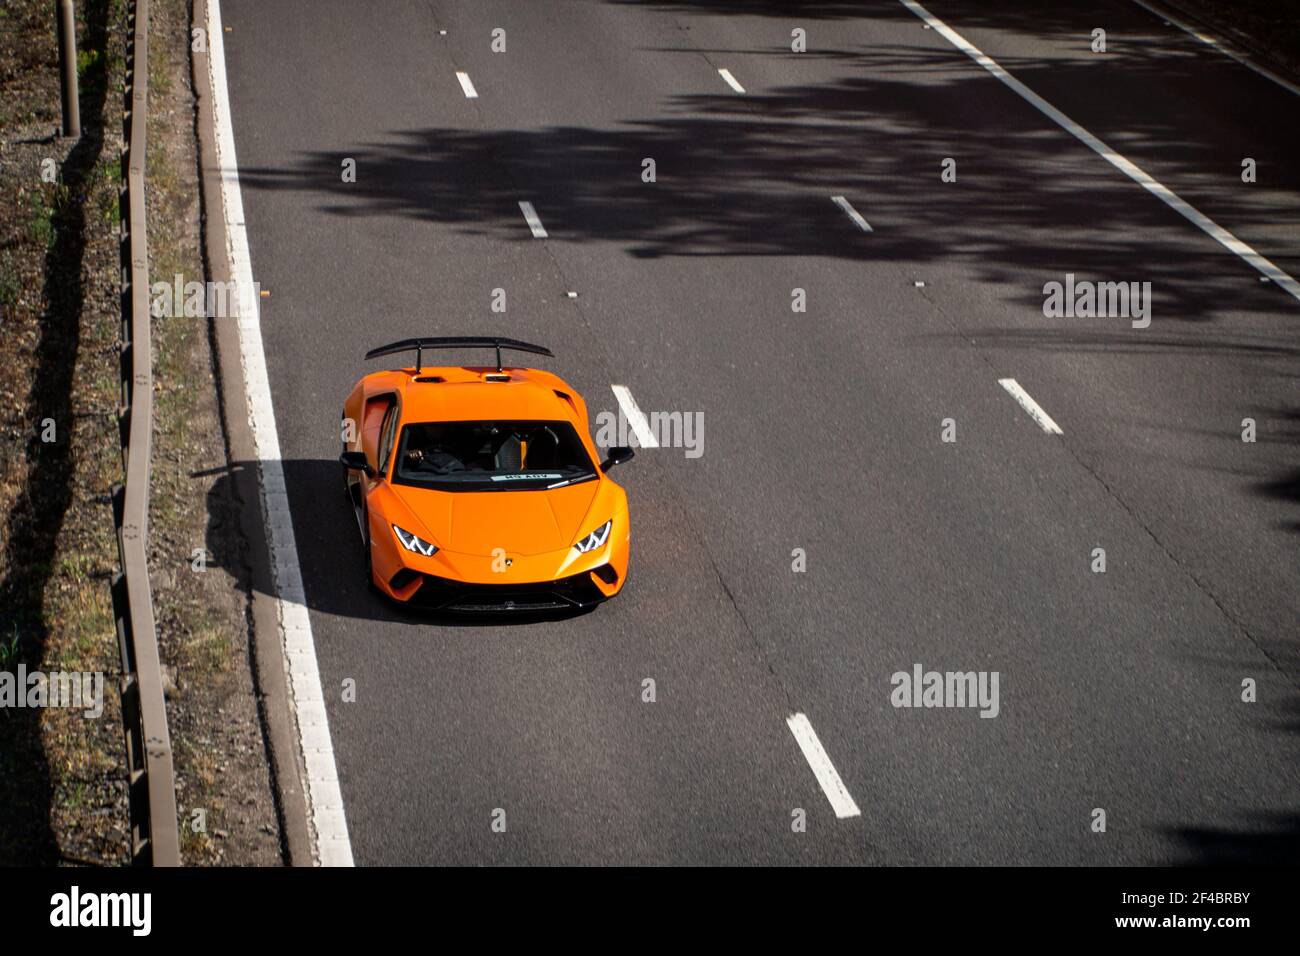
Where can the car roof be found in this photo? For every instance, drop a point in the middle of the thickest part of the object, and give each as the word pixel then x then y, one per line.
pixel 483 393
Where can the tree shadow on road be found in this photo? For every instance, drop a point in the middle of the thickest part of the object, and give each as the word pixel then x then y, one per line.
pixel 753 176
pixel 1263 838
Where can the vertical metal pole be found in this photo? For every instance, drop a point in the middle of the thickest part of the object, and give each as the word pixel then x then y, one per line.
pixel 68 67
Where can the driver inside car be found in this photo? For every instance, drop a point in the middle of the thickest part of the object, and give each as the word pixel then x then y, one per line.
pixel 434 460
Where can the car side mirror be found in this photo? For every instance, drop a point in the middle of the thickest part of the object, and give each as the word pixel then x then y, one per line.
pixel 357 460
pixel 617 456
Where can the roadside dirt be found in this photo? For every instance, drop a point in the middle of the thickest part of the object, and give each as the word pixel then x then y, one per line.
pixel 222 777
pixel 62 782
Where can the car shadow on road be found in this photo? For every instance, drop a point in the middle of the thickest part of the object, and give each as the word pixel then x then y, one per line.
pixel 328 545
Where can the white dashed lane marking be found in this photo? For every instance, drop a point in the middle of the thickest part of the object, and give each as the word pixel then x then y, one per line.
pixel 731 80
pixel 1035 410
pixel 635 417
pixel 467 85
pixel 822 768
pixel 852 213
pixel 534 223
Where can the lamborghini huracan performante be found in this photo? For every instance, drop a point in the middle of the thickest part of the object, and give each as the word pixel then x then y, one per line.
pixel 478 488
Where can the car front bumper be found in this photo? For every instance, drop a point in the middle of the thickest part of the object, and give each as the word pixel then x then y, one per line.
pixel 428 591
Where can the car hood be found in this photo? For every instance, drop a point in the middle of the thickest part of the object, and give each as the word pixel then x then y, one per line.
pixel 520 522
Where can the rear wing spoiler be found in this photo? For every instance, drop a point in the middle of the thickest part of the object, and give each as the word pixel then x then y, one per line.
pixel 458 342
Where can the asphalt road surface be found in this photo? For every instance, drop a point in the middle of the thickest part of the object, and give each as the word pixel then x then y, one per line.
pixel 1120 691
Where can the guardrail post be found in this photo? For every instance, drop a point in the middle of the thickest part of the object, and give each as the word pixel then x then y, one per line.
pixel 67 22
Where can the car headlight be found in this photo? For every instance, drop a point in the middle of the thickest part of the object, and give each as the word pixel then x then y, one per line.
pixel 415 543
pixel 594 540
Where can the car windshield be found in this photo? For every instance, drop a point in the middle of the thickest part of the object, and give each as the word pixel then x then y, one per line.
pixel 491 456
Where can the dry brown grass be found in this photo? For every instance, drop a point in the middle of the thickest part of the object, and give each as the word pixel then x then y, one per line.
pixel 62 782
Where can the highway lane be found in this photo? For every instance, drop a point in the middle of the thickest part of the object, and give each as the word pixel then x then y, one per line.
pixel 544 721
pixel 1223 347
pixel 821 432
pixel 1105 627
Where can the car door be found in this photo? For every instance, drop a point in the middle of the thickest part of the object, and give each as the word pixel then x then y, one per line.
pixel 378 429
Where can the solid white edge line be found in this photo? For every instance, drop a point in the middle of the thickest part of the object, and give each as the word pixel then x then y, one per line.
pixel 731 80
pixel 822 768
pixel 635 418
pixel 324 797
pixel 531 217
pixel 1129 169
pixel 852 213
pixel 467 85
pixel 1035 410
pixel 1222 48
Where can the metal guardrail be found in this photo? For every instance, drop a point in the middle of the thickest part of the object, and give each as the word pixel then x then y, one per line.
pixel 155 839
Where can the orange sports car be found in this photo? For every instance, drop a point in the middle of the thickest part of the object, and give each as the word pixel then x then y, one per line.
pixel 478 488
